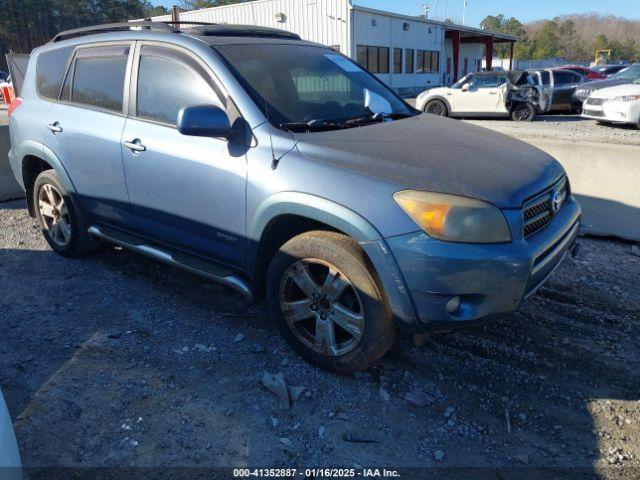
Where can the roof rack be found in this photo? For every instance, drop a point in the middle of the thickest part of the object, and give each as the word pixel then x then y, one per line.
pixel 232 30
pixel 124 26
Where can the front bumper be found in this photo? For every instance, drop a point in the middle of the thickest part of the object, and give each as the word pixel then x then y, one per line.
pixel 490 280
pixel 615 112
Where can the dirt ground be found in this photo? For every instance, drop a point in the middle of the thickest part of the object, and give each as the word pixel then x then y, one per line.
pixel 114 360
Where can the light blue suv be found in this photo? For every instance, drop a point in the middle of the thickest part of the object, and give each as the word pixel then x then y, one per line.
pixel 284 170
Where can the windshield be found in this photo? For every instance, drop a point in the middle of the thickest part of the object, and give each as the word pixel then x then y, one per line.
pixel 462 81
pixel 631 73
pixel 297 85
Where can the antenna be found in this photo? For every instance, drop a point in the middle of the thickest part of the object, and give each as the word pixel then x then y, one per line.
pixel 425 8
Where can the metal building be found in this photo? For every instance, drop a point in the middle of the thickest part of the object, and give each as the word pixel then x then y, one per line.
pixel 410 54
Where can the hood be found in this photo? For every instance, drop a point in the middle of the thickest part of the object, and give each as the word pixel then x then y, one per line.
pixel 599 84
pixel 438 154
pixel 627 89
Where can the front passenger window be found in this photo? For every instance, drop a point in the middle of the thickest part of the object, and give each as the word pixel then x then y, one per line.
pixel 168 81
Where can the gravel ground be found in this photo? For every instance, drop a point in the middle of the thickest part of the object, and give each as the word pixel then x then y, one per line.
pixel 571 128
pixel 115 360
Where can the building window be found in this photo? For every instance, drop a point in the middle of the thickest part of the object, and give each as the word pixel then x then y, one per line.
pixel 408 59
pixel 428 61
pixel 374 59
pixel 397 60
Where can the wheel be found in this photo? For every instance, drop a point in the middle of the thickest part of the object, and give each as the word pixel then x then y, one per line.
pixel 523 113
pixel 63 226
pixel 328 303
pixel 436 107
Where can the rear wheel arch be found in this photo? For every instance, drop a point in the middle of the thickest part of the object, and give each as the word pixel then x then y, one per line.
pixel 32 166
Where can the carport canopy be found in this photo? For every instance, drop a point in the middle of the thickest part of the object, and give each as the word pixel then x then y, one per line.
pixel 459 34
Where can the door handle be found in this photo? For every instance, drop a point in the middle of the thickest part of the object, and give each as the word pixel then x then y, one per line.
pixel 493 93
pixel 55 127
pixel 135 146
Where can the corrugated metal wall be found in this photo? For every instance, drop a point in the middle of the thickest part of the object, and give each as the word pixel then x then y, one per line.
pixel 321 21
pixel 379 29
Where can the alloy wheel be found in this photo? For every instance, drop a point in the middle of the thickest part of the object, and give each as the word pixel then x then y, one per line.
pixel 436 108
pixel 322 307
pixel 54 214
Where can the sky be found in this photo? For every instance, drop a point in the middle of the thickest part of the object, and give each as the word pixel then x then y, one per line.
pixel 523 10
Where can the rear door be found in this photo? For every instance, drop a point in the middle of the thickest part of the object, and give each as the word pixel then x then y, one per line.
pixel 84 128
pixel 186 191
pixel 565 83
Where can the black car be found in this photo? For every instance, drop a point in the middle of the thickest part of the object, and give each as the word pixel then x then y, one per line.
pixel 3 76
pixel 628 75
pixel 559 86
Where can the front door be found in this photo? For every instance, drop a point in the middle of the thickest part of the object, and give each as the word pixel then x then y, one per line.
pixel 483 95
pixel 84 129
pixel 565 83
pixel 185 191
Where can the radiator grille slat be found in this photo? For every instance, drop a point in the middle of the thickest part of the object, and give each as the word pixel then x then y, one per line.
pixel 538 212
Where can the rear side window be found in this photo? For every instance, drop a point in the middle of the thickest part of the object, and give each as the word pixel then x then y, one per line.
pixel 168 81
pixel 566 78
pixel 98 77
pixel 50 70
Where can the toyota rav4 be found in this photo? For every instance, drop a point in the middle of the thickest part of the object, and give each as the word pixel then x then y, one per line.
pixel 284 170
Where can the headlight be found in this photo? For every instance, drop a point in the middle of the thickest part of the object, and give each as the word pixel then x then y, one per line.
pixel 453 218
pixel 626 98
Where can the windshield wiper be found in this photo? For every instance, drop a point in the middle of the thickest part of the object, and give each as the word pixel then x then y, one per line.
pixel 316 124
pixel 310 125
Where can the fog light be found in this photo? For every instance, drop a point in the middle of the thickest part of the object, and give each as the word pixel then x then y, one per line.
pixel 453 305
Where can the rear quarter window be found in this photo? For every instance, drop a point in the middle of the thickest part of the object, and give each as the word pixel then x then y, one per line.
pixel 50 70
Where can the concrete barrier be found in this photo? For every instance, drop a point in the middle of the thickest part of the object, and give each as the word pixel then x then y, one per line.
pixel 9 188
pixel 606 180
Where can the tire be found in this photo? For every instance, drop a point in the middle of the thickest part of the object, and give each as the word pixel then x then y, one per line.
pixel 437 107
pixel 298 276
pixel 523 113
pixel 64 227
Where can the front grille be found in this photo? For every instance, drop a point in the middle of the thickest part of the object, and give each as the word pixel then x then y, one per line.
pixel 595 101
pixel 593 113
pixel 538 212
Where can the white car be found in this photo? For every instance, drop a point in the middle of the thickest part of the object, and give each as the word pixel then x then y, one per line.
pixel 619 104
pixel 486 94
pixel 9 456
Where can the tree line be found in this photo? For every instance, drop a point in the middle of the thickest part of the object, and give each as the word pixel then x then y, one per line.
pixel 574 37
pixel 26 24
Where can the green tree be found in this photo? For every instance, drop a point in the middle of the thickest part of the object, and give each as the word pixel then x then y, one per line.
pixel 546 42
pixel 26 24
pixel 502 24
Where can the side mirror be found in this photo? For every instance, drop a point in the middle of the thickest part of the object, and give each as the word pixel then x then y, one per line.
pixel 204 121
pixel 466 87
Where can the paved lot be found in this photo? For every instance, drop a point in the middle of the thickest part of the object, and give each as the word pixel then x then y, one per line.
pixel 114 360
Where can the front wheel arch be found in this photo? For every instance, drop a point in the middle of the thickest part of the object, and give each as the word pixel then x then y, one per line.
pixel 313 210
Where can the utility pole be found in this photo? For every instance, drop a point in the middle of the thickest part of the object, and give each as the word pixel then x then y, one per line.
pixel 446 2
pixel 464 11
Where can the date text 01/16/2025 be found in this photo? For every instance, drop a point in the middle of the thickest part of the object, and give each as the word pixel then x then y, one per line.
pixel 315 473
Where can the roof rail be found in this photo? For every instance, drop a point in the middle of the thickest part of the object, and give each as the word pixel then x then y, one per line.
pixel 123 26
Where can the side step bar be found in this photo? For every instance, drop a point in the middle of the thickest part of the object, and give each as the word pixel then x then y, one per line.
pixel 181 260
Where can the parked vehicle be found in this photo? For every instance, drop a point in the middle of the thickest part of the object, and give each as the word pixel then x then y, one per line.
pixel 608 70
pixel 624 77
pixel 559 87
pixel 10 468
pixel 587 72
pixel 3 76
pixel 286 171
pixel 486 94
pixel 619 105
